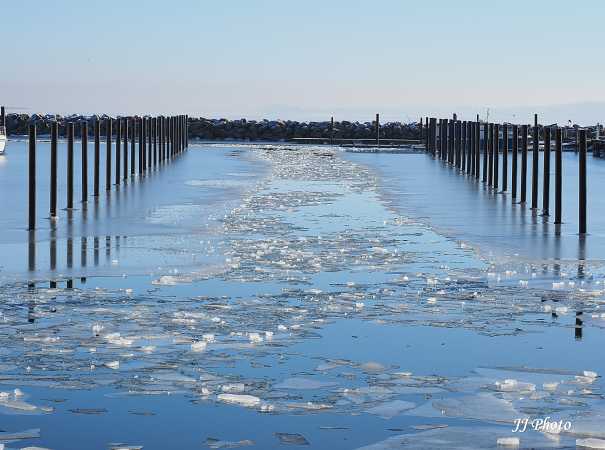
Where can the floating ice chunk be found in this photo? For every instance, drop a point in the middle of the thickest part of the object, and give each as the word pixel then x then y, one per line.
pixel 255 338
pixel 233 387
pixel 148 348
pixel 561 309
pixel 510 385
pixel 508 442
pixel 97 328
pixel 166 280
pixel 198 346
pixel 523 283
pixel 246 400
pixel 547 308
pixel 590 443
pixel 117 339
pixel 431 300
pixel 208 337
pixel 556 285
pixel 482 406
pixel 391 409
pixel 18 392
pixel 590 374
pixel 216 443
pixel 372 367
pixel 26 434
pixel 303 383
pixel 291 438
pixel 268 335
pixel 113 365
pixel 282 328
pixel 550 386
pixel 310 406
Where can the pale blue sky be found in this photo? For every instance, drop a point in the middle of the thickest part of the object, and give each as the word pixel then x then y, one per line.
pixel 306 60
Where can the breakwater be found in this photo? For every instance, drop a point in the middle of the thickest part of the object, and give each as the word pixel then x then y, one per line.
pixel 242 129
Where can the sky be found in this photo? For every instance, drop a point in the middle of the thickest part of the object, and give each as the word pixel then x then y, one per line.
pixel 306 60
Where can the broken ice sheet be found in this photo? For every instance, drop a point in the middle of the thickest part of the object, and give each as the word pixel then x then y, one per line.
pixel 291 438
pixel 217 443
pixel 7 436
pixel 388 410
pixel 463 438
pixel 298 383
pixel 482 406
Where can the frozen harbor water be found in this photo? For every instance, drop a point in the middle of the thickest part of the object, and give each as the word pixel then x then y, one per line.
pixel 269 296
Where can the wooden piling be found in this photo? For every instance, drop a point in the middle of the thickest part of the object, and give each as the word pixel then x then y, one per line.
pixel 477 149
pixel 514 161
pixel 485 152
pixel 149 144
pixel 490 168
pixel 534 179
pixel 154 129
pixel 582 181
pixel 84 159
pixel 133 136
pixel 70 165
pixel 108 126
pixel 546 174
pixel 496 145
pixel 524 144
pixel 118 150
pixel 469 147
pixel 32 177
pixel 140 125
pixel 144 142
pixel 97 157
pixel 457 143
pixel 504 157
pixel 125 148
pixel 54 135
pixel 558 175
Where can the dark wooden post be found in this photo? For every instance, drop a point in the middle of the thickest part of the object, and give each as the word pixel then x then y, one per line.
pixel 514 165
pixel 332 130
pixel 140 125
pixel 54 134
pixel 536 154
pixel 118 150
pixel 558 175
pixel 582 180
pixel 70 165
pixel 108 124
pixel 504 157
pixel 32 177
pixel 546 173
pixel 469 147
pixel 477 149
pixel 133 136
pixel 486 146
pixel 144 142
pixel 378 130
pixel 524 140
pixel 496 144
pixel 97 157
pixel 451 142
pixel 490 140
pixel 149 143
pixel 84 157
pixel 458 158
pixel 125 148
pixel 155 141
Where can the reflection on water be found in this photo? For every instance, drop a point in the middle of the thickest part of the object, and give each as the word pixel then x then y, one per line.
pixel 467 209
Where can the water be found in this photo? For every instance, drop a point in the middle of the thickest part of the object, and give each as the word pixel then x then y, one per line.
pixel 269 295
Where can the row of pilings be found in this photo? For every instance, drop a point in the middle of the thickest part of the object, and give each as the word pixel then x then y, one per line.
pixel 477 148
pixel 133 147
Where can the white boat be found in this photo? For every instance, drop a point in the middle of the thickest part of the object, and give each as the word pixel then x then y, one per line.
pixel 2 131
